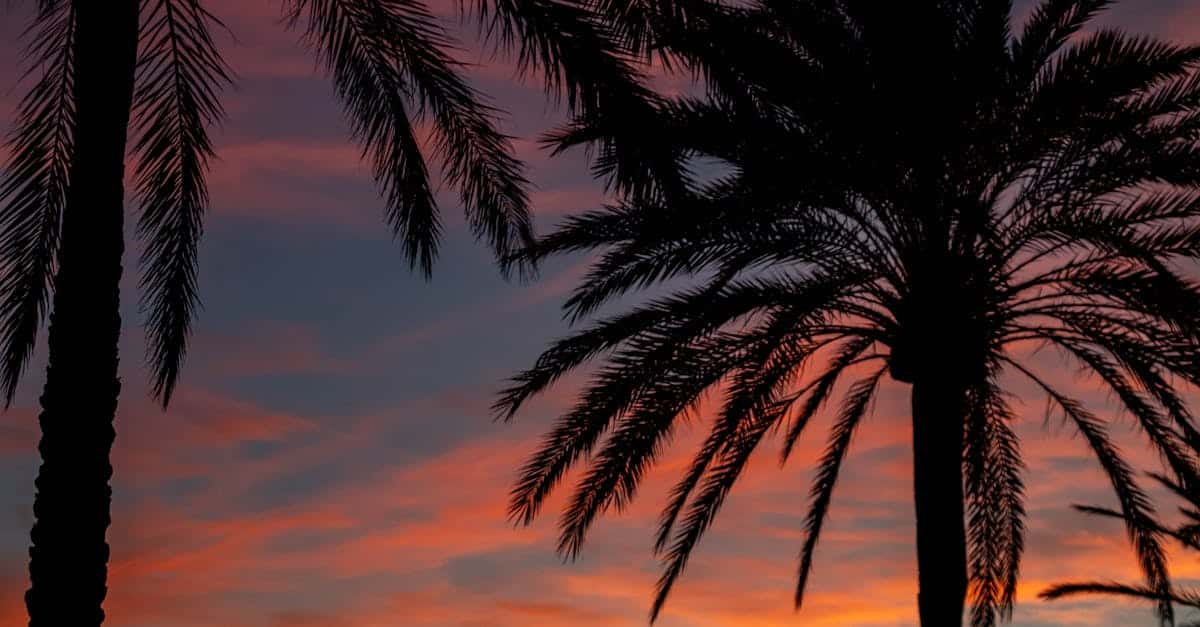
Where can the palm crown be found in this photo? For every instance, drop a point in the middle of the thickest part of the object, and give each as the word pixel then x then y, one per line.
pixel 916 206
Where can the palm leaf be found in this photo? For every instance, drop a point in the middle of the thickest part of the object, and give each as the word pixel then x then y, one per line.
pixel 856 404
pixel 33 189
pixel 180 73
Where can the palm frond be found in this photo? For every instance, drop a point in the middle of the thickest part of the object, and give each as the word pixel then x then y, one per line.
pixel 1186 539
pixel 856 404
pixel 1118 589
pixel 33 189
pixel 752 422
pixel 995 494
pixel 1186 534
pixel 819 389
pixel 614 392
pixel 639 436
pixel 1136 508
pixel 754 392
pixel 1151 419
pixel 1114 65
pixel 180 72
pixel 579 58
pixel 476 156
pixel 1048 29
pixel 350 38
pixel 678 319
pixel 390 64
pixel 751 407
pixel 568 45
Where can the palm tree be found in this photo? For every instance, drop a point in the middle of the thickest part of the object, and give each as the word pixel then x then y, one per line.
pixel 1187 534
pixel 151 67
pixel 909 190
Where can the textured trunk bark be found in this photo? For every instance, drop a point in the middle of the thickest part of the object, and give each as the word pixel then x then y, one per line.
pixel 68 561
pixel 937 415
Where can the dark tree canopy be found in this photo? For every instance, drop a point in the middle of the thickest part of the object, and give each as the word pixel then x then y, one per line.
pixel 917 190
pixel 140 81
pixel 391 67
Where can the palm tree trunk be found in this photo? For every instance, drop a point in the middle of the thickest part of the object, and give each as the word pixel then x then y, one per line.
pixel 69 554
pixel 937 414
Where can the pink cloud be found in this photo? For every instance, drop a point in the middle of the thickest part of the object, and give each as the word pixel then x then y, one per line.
pixel 265 347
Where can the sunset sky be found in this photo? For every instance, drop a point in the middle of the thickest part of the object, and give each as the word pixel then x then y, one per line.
pixel 330 459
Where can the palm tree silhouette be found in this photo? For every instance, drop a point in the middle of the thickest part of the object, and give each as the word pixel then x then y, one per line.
pixel 906 187
pixel 151 67
pixel 1187 533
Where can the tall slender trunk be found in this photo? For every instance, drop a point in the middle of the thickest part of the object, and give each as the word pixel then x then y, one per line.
pixel 937 415
pixel 69 554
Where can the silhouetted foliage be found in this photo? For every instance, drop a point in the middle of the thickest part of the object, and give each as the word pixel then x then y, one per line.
pixel 390 63
pixel 160 74
pixel 909 189
pixel 1187 533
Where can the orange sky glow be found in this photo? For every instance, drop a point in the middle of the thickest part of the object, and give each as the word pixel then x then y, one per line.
pixel 330 459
